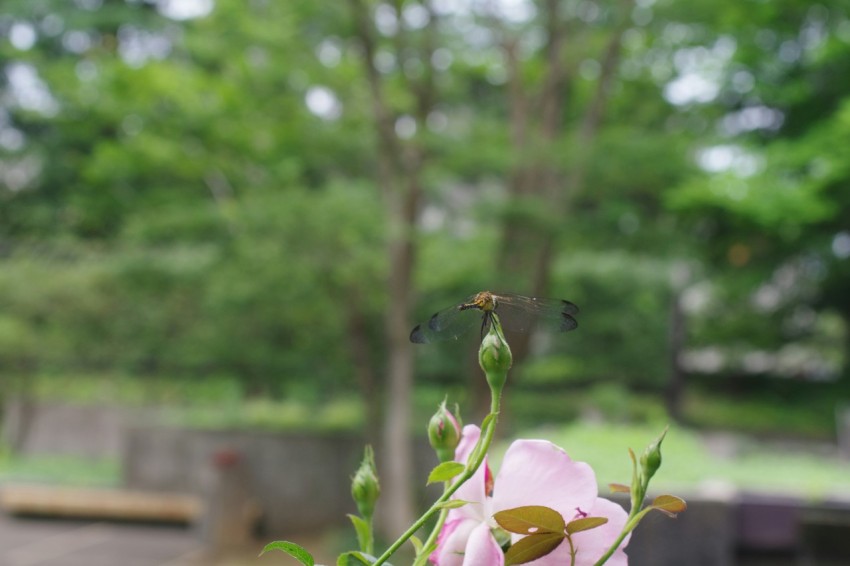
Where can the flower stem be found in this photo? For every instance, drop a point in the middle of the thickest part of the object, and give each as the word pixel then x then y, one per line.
pixel 572 550
pixel 635 515
pixel 370 542
pixel 480 452
pixel 438 526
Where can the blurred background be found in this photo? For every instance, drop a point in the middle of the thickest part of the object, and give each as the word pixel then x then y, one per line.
pixel 220 219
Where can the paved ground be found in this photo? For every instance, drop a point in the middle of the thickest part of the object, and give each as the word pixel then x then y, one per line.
pixel 48 542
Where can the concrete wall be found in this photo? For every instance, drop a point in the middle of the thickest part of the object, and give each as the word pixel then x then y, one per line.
pixel 704 535
pixel 89 431
pixel 301 481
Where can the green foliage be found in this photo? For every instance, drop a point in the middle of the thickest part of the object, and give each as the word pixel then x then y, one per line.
pixel 445 471
pixel 530 519
pixel 533 547
pixel 292 549
pixel 179 210
pixel 363 529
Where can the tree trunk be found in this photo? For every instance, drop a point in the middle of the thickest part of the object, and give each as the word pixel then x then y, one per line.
pixel 398 172
pixel 675 389
pixel 364 369
pixel 398 509
pixel 528 247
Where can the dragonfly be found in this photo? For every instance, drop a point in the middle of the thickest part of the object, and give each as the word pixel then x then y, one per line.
pixel 516 313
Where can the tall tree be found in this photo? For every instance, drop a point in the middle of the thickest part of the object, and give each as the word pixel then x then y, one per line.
pixel 400 160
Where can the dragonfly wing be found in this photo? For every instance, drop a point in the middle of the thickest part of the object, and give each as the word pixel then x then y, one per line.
pixel 447 324
pixel 522 314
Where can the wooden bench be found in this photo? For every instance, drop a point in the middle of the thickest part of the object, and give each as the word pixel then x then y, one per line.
pixel 99 503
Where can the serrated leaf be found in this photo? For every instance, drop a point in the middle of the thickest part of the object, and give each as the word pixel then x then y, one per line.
pixel 531 519
pixel 585 524
pixel 363 530
pixel 445 472
pixel 669 504
pixel 355 558
pixel 532 547
pixel 294 550
pixel 619 488
pixel 453 504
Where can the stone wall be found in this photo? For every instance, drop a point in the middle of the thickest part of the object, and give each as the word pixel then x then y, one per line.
pixel 300 480
pixel 55 428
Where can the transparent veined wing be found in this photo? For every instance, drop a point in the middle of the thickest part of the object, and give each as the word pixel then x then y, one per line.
pixel 518 313
pixel 447 324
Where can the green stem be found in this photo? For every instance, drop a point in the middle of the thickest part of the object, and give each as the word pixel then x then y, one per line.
pixel 572 550
pixel 370 542
pixel 480 452
pixel 465 475
pixel 635 516
pixel 438 526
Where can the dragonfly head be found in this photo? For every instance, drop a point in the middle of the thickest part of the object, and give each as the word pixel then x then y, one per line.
pixel 485 301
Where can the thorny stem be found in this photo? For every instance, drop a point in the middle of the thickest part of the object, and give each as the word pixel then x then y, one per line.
pixel 479 453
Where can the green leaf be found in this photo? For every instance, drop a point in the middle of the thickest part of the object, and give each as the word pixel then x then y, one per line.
pixel 296 551
pixel 532 547
pixel 417 544
pixel 355 558
pixel 585 524
pixel 669 504
pixel 619 488
pixel 452 504
pixel 363 530
pixel 531 519
pixel 445 472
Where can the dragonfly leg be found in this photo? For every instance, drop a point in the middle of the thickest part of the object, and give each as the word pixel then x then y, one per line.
pixel 485 323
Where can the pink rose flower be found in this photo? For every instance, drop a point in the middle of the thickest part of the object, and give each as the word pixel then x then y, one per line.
pixel 534 472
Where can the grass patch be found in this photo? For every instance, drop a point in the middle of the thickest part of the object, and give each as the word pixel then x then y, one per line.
pixel 262 414
pixel 133 391
pixel 59 470
pixel 689 464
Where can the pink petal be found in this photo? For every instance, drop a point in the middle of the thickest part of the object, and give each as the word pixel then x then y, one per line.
pixel 536 472
pixel 482 549
pixel 474 489
pixel 468 439
pixel 452 542
pixel 592 544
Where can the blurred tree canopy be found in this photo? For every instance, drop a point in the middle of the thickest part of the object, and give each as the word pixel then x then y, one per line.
pixel 192 187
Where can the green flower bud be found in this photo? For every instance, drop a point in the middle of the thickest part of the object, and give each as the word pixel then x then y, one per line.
pixel 444 433
pixel 495 356
pixel 365 487
pixel 650 461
